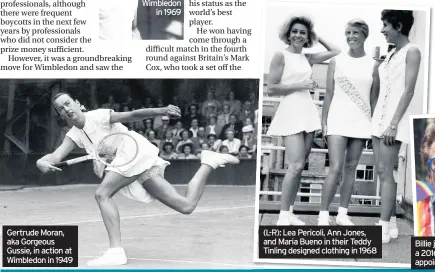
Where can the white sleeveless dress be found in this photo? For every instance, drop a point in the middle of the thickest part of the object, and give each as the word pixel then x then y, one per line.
pixel 392 86
pixel 296 112
pixel 350 111
pixel 97 125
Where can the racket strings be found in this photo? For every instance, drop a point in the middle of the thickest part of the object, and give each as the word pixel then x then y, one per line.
pixel 108 148
pixel 117 149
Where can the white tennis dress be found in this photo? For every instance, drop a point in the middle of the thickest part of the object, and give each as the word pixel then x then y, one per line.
pixel 297 111
pixel 116 19
pixel 350 111
pixel 392 86
pixel 97 125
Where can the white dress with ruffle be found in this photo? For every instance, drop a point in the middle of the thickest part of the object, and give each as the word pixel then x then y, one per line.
pixel 296 112
pixel 97 126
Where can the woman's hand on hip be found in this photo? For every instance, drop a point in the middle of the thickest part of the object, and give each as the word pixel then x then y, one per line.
pixel 309 84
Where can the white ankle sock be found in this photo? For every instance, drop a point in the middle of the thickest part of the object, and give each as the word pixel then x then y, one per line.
pixel 393 221
pixel 384 224
pixel 291 209
pixel 342 211
pixel 284 214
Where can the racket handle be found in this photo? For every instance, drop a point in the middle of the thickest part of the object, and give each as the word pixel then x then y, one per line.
pixel 60 164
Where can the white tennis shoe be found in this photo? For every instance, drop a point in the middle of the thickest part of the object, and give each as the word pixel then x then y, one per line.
pixel 291 220
pixel 393 231
pixel 113 256
pixel 323 221
pixel 216 160
pixel 343 220
pixel 386 237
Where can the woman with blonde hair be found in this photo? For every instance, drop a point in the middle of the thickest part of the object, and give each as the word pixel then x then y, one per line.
pixel 351 88
pixel 297 117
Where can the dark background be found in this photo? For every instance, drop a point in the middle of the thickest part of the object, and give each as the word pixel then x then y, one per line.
pixel 37 92
pixel 153 27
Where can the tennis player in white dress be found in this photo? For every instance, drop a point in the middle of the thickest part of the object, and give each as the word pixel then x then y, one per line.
pixel 142 180
pixel 398 75
pixel 346 117
pixel 297 117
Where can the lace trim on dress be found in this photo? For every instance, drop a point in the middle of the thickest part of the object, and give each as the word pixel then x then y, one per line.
pixel 347 86
pixel 150 173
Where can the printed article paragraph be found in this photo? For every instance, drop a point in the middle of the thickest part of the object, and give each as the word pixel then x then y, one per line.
pixel 44 35
pixel 68 35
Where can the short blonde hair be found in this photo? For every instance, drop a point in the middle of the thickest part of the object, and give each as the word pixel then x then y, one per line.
pixel 303 20
pixel 361 24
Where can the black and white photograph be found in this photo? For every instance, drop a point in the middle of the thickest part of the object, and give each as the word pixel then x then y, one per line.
pixel 340 84
pixel 141 20
pixel 163 164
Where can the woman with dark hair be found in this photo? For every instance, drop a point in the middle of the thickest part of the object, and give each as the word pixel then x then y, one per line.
pixel 224 149
pixel 244 152
pixel 142 180
pixel 352 83
pixel 390 124
pixel 186 138
pixel 149 125
pixel 297 117
pixel 188 152
pixel 167 152
pixel 214 142
pixel 203 146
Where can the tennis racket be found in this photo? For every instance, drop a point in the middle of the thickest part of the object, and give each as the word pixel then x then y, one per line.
pixel 115 150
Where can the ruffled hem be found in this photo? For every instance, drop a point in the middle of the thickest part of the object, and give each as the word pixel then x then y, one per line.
pixel 287 133
pixel 349 135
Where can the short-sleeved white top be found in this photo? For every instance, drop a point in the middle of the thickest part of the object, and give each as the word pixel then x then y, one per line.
pixel 97 126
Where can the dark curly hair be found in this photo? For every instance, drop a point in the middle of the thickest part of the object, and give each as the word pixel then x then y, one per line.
pixel 284 32
pixel 398 18
pixel 168 144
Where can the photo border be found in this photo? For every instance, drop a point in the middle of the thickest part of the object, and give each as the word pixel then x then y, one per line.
pixel 426 64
